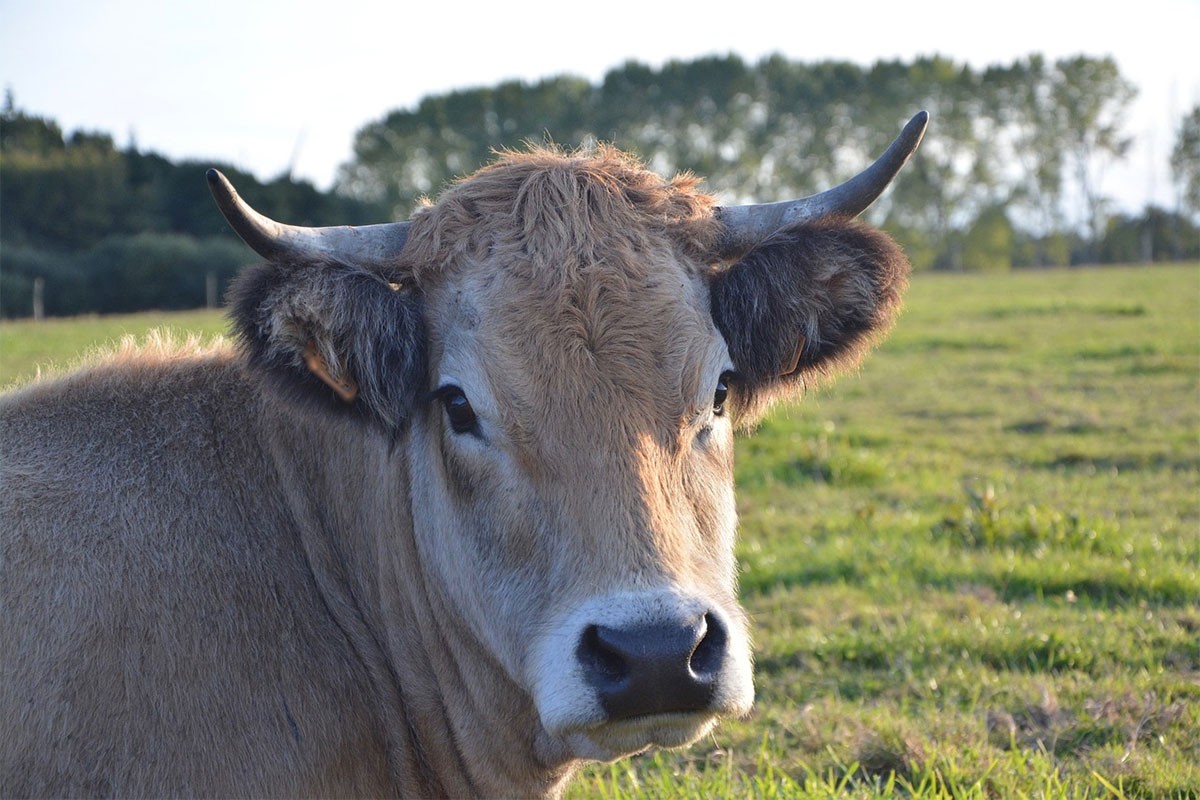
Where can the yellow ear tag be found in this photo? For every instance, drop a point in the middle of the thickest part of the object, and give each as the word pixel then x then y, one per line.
pixel 790 369
pixel 345 388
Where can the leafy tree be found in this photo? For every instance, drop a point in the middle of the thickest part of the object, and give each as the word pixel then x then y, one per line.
pixel 1185 163
pixel 988 244
pixel 1153 235
pixel 110 229
pixel 922 255
pixel 59 192
pixel 1032 151
pixel 65 292
pixel 21 132
pixel 1027 136
pixel 410 154
pixel 1090 101
pixel 156 270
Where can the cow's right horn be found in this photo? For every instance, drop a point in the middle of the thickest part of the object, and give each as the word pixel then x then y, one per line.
pixel 747 226
pixel 366 245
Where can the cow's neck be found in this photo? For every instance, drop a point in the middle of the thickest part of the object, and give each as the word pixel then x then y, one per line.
pixel 456 725
pixel 475 725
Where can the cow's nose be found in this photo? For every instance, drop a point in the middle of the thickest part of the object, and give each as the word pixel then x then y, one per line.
pixel 654 668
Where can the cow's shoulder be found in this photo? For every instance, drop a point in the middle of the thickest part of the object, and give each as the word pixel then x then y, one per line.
pixel 124 374
pixel 152 568
pixel 130 437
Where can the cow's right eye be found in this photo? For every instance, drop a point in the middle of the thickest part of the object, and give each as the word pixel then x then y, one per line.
pixel 721 394
pixel 458 410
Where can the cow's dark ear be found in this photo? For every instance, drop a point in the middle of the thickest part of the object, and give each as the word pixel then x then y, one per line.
pixel 805 305
pixel 337 336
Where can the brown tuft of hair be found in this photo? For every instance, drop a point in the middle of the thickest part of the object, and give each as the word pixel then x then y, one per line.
pixel 578 201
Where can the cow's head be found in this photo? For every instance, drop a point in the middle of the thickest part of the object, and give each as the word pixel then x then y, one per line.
pixel 561 347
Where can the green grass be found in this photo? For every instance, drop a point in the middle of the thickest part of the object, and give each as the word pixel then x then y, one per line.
pixel 27 347
pixel 973 567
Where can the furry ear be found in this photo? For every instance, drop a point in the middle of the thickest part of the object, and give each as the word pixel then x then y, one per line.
pixel 337 336
pixel 804 305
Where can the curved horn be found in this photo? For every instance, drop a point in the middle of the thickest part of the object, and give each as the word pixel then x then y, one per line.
pixel 746 226
pixel 366 245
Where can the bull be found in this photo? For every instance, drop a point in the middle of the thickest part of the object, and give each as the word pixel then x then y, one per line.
pixel 456 513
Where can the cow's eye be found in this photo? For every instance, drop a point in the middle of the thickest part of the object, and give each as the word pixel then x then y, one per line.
pixel 458 409
pixel 721 394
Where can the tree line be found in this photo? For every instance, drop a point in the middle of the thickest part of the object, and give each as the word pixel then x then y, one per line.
pixel 106 229
pixel 1008 175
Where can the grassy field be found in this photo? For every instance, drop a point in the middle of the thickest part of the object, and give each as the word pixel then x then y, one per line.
pixel 973 568
pixel 27 347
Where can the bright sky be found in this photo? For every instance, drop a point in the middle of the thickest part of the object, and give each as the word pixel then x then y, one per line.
pixel 264 83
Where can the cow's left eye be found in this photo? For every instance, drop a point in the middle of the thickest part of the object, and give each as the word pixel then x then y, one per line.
pixel 458 409
pixel 721 394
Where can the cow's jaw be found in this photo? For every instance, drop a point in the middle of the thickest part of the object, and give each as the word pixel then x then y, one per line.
pixel 577 708
pixel 611 741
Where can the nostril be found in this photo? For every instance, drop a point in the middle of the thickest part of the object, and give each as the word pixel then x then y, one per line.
pixel 707 658
pixel 602 662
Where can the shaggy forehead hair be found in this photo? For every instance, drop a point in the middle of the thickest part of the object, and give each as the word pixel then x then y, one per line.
pixel 581 257
pixel 581 206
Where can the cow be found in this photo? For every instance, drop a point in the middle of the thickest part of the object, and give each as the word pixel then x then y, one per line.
pixel 452 517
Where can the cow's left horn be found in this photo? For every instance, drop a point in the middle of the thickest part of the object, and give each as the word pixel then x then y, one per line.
pixel 366 245
pixel 746 226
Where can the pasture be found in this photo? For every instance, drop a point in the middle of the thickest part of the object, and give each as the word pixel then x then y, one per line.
pixel 973 567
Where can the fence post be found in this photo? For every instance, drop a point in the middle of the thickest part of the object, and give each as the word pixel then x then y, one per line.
pixel 210 290
pixel 39 299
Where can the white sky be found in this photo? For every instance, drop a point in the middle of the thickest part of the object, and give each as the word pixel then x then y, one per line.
pixel 264 83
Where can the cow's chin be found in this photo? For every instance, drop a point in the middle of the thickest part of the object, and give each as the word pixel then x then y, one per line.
pixel 613 740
